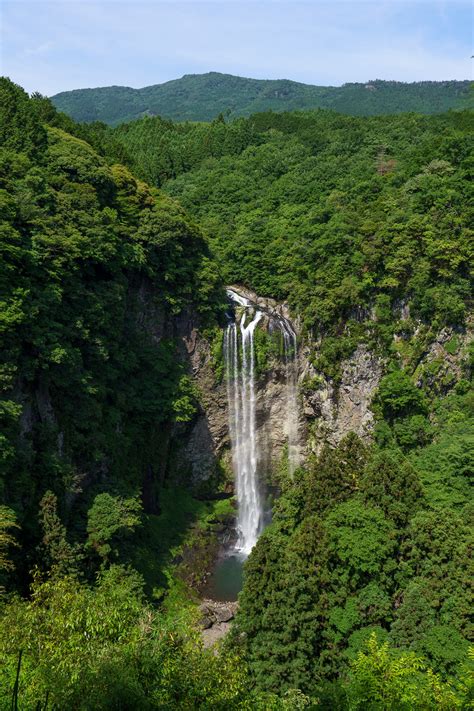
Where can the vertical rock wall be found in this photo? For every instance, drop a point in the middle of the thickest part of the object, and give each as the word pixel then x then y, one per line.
pixel 327 411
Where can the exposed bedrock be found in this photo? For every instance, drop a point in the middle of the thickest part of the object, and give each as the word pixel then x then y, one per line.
pixel 323 410
pixel 286 410
pixel 337 410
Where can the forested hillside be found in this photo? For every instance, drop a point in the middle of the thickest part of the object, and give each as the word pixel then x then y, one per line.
pixel 89 396
pixel 365 227
pixel 117 243
pixel 202 97
pixel 81 243
pixel 337 215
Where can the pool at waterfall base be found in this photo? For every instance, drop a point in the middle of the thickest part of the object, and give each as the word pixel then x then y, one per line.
pixel 226 579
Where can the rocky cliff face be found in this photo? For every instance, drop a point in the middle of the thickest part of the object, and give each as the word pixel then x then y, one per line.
pixel 440 366
pixel 334 411
pixel 203 446
pixel 327 411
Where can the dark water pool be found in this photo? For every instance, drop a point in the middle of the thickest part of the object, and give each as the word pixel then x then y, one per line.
pixel 226 580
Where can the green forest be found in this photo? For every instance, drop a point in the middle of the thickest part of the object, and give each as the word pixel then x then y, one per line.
pixel 202 97
pixel 357 595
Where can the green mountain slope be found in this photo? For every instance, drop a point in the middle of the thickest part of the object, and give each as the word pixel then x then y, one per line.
pixel 201 97
pixel 356 595
pixel 76 267
pixel 333 212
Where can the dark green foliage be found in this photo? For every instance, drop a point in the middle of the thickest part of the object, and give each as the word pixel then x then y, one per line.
pixel 202 97
pixel 105 648
pixel 393 484
pixel 398 396
pixel 279 613
pixel 361 540
pixel 95 269
pixel 445 466
pixel 7 537
pixel 336 475
pixel 436 561
pixel 110 518
pixel 382 680
pixel 57 554
pixel 161 150
pixel 363 225
pixel 306 580
pixel 346 218
pixel 412 431
pixel 355 549
pixel 21 129
pixel 307 213
pixel 404 407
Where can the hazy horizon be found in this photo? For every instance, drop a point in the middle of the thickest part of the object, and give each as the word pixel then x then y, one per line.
pixel 212 71
pixel 62 45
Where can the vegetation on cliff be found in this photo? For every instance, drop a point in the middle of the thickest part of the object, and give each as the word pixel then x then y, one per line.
pixel 362 225
pixel 345 218
pixel 356 596
pixel 96 269
pixel 365 541
pixel 348 219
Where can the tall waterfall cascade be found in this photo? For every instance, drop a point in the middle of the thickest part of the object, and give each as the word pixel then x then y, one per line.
pixel 239 355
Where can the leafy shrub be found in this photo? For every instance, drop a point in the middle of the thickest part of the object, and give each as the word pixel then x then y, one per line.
pixel 397 396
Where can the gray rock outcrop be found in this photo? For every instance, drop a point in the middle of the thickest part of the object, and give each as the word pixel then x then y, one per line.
pixel 336 411
pixel 216 618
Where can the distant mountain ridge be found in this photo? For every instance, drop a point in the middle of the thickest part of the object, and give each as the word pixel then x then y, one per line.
pixel 202 97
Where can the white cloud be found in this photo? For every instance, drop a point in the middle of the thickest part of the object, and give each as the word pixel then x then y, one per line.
pixel 40 49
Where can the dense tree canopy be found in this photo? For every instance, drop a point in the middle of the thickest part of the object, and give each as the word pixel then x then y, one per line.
pixel 374 549
pixel 343 215
pixel 356 596
pixel 363 225
pixel 86 389
pixel 202 97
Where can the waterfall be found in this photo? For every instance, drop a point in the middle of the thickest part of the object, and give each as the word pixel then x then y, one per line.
pixel 241 398
pixel 239 356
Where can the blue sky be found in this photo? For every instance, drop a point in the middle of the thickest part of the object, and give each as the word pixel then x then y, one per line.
pixel 66 44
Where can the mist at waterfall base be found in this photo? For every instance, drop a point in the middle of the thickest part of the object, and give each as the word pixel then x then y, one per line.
pixel 226 579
